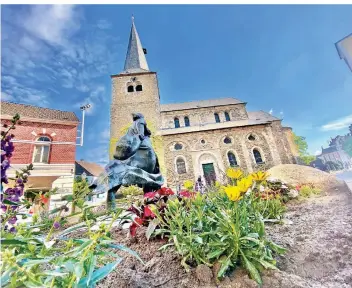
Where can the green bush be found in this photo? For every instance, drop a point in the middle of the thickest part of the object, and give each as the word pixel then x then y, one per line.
pixel 212 229
pixel 308 190
pixel 131 190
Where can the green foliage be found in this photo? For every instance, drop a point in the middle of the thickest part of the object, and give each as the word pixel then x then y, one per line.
pixel 302 147
pixel 347 146
pixel 80 191
pixel 212 229
pixel 307 191
pixel 307 159
pixel 31 260
pixel 132 190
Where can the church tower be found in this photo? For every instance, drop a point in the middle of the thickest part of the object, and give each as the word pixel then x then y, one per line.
pixel 134 90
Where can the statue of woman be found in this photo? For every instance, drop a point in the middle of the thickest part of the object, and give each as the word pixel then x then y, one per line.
pixel 134 163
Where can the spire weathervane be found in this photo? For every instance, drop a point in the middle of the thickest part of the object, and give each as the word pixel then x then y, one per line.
pixel 132 18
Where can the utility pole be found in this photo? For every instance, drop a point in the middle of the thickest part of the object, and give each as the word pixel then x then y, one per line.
pixel 83 109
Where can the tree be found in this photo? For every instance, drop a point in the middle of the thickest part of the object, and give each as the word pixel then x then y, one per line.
pixel 302 147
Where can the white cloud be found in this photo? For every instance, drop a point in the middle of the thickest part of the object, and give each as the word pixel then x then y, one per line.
pixel 318 152
pixel 6 97
pixel 271 111
pixel 338 124
pixel 105 134
pixel 52 23
pixel 281 114
pixel 104 24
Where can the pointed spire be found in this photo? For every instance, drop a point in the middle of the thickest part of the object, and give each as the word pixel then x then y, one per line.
pixel 135 58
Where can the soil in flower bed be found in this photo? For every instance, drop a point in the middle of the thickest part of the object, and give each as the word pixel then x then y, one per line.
pixel 317 233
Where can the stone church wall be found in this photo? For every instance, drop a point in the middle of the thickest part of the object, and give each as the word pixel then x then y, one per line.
pixel 200 146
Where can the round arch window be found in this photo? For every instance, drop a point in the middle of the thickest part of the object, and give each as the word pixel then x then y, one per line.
pixel 202 141
pixel 178 146
pixel 41 150
pixel 251 137
pixel 227 140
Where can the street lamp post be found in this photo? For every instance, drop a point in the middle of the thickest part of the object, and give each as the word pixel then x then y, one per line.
pixel 83 109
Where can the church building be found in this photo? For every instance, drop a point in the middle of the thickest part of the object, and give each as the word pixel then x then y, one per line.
pixel 201 138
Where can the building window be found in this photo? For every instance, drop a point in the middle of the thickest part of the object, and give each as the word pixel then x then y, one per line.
pixel 177 123
pixel 232 159
pixel 251 138
pixel 227 116
pixel 217 118
pixel 187 121
pixel 181 166
pixel 257 157
pixel 227 140
pixel 139 88
pixel 130 88
pixel 178 146
pixel 41 150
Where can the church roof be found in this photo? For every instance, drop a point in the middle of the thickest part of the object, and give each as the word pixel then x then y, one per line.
pixel 199 104
pixel 136 61
pixel 261 115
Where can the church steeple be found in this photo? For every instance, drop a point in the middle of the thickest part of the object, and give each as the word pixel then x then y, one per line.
pixel 135 59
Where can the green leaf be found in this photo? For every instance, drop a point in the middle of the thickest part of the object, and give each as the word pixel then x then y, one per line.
pixel 79 249
pixel 266 264
pixel 151 228
pixel 215 254
pixel 253 272
pixel 99 274
pixel 92 262
pixel 278 249
pixel 12 242
pixel 253 240
pixel 37 261
pixel 78 271
pixel 67 198
pixel 55 273
pixel 123 248
pixel 72 228
pixel 8 202
pixel 5 277
pixel 224 266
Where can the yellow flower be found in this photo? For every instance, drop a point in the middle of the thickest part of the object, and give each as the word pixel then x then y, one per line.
pixel 233 173
pixel 259 176
pixel 217 184
pixel 188 184
pixel 244 184
pixel 233 193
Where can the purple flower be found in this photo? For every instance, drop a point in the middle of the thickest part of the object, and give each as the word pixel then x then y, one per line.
pixel 13 220
pixel 56 225
pixel 19 181
pixel 3 207
pixel 13 230
pixel 5 164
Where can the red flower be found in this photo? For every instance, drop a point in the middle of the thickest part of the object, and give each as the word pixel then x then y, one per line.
pixel 134 210
pixel 44 199
pixel 165 191
pixel 136 223
pixel 148 212
pixel 150 195
pixel 30 211
pixel 187 194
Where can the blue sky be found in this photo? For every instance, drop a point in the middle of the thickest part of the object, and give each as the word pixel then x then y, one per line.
pixel 277 58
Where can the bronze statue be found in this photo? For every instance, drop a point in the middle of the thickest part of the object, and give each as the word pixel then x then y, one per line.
pixel 135 162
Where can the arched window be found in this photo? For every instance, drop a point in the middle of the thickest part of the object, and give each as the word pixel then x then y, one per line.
pixel 177 123
pixel 227 140
pixel 257 156
pixel 187 121
pixel 217 118
pixel 251 137
pixel 227 116
pixel 130 88
pixel 178 146
pixel 232 159
pixel 139 87
pixel 41 150
pixel 181 166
